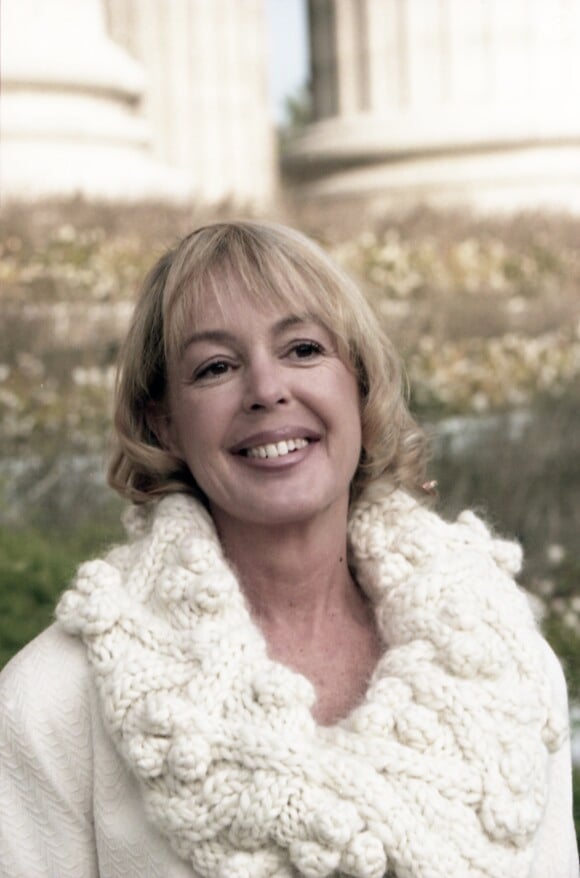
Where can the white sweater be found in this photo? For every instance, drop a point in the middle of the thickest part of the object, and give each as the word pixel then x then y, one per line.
pixel 70 809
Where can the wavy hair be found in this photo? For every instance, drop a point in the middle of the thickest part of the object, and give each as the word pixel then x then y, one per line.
pixel 272 264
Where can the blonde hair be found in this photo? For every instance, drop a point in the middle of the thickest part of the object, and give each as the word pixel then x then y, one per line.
pixel 272 264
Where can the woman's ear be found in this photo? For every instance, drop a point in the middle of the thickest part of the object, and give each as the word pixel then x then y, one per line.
pixel 159 422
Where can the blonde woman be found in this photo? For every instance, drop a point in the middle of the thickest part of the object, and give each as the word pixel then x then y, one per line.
pixel 293 667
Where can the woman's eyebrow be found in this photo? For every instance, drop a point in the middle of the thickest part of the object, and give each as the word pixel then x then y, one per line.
pixel 222 336
pixel 291 321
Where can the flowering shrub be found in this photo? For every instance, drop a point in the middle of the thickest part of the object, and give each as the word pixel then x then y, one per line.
pixel 486 324
pixel 485 265
pixel 481 375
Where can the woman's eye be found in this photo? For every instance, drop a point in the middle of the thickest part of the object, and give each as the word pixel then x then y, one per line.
pixel 212 370
pixel 304 350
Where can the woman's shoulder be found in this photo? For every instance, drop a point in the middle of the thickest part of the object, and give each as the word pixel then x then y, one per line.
pixel 47 681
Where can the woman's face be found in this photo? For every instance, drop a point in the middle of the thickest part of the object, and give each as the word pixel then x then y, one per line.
pixel 265 414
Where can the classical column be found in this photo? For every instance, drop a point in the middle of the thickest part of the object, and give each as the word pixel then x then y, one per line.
pixel 207 91
pixel 70 108
pixel 443 96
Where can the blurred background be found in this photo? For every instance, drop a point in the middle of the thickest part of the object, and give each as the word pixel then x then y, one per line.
pixel 432 146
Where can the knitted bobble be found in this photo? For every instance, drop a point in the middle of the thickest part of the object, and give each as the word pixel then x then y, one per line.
pixel 514 792
pixel 521 765
pixel 212 591
pixel 96 572
pixel 189 758
pixel 468 654
pixel 101 611
pixel 69 612
pixel 507 555
pixel 396 572
pixel 365 857
pixel 147 754
pixel 391 691
pixel 173 586
pixel 371 538
pixel 371 719
pixel 94 606
pixel 198 556
pixel 461 612
pixel 336 826
pixel 505 820
pixel 402 623
pixel 418 727
pixel 313 860
pixel 277 686
pixel 158 712
pixel 207 857
pixel 474 525
pixel 555 731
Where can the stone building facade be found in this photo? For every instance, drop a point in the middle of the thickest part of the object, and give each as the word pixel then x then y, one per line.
pixel 440 100
pixel 443 100
pixel 130 99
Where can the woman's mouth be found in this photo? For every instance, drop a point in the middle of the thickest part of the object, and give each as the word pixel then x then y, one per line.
pixel 275 449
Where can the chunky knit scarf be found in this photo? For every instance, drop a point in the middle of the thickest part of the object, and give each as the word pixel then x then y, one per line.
pixel 440 772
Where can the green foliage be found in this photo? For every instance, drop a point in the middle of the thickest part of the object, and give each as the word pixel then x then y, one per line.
pixel 34 568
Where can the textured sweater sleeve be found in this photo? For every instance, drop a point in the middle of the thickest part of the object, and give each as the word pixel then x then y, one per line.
pixel 556 852
pixel 45 762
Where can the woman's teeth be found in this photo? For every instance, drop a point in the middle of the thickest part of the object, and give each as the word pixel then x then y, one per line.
pixel 277 449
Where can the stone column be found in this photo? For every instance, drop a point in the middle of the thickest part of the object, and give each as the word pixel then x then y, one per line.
pixel 442 96
pixel 70 108
pixel 207 91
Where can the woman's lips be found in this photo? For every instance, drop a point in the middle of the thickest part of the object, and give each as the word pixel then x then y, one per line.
pixel 274 443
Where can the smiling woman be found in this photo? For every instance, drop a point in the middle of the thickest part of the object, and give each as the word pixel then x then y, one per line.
pixel 249 381
pixel 293 668
pixel 240 270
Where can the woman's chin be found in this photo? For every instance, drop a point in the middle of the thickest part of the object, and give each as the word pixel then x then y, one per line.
pixel 281 508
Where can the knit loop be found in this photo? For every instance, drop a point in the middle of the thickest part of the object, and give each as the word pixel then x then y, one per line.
pixel 313 860
pixel 365 857
pixel 189 758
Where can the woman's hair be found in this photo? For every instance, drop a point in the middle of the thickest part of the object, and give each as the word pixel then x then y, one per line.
pixel 272 265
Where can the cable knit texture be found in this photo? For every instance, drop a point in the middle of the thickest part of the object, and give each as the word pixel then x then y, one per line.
pixel 440 772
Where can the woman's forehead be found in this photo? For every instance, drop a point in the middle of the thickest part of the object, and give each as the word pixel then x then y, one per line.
pixel 225 300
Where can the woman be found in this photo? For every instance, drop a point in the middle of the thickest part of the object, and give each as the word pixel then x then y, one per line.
pixel 293 667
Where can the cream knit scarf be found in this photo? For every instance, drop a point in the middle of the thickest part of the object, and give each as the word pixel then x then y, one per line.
pixel 440 772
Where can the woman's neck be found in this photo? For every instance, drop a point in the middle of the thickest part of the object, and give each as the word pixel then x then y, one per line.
pixel 293 576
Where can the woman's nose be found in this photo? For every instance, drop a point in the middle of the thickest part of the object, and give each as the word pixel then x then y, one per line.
pixel 265 386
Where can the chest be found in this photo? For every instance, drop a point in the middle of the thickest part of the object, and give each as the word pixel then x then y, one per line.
pixel 339 663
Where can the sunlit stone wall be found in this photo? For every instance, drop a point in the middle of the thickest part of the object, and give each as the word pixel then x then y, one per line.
pixel 444 99
pixel 207 90
pixel 129 99
pixel 70 108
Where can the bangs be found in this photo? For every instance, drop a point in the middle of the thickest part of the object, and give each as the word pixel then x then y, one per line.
pixel 266 274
